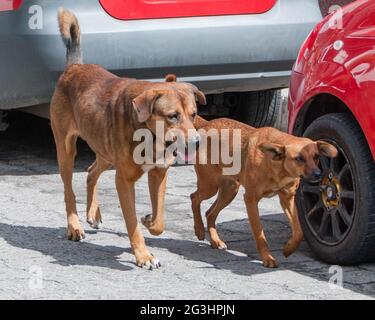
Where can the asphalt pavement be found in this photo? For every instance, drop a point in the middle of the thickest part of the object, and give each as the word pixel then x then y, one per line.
pixel 38 262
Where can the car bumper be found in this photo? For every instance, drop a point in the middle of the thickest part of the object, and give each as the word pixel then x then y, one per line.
pixel 219 53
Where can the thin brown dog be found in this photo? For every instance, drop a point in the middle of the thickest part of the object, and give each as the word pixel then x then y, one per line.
pixel 272 163
pixel 105 111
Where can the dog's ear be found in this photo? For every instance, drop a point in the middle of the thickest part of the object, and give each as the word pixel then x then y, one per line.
pixel 170 78
pixel 144 104
pixel 326 149
pixel 199 95
pixel 201 98
pixel 273 150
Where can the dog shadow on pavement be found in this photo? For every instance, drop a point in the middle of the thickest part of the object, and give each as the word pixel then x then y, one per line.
pixel 241 257
pixel 53 242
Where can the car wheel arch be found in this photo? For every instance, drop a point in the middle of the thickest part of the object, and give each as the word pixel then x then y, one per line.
pixel 312 109
pixel 316 106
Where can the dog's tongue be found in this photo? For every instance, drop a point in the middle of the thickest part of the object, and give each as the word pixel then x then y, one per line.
pixel 187 156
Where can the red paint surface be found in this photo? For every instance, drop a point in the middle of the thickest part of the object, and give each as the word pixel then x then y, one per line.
pixel 6 5
pixel 348 73
pixel 148 9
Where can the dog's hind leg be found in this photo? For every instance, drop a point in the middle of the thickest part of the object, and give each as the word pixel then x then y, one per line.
pixel 66 152
pixel 258 232
pixel 94 217
pixel 228 190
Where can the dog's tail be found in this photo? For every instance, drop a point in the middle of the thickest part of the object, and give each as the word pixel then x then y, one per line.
pixel 71 36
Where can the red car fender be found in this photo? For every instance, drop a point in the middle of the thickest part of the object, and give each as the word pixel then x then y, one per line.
pixel 343 86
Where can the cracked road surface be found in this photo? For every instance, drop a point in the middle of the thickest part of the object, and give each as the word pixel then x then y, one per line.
pixel 38 262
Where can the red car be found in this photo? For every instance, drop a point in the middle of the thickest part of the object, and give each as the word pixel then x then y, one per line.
pixel 332 97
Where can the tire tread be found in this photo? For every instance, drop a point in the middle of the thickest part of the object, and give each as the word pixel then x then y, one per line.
pixel 260 108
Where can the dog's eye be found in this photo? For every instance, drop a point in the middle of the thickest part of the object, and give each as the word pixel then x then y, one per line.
pixel 174 117
pixel 316 157
pixel 193 115
pixel 300 159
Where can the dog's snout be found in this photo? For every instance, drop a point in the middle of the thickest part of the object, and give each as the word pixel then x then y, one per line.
pixel 195 140
pixel 317 174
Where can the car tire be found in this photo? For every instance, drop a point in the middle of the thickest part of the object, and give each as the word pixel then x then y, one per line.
pixel 352 211
pixel 259 108
pixel 3 122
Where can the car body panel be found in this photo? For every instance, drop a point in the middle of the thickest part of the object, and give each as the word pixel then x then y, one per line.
pixel 217 53
pixel 340 62
pixel 6 5
pixel 153 9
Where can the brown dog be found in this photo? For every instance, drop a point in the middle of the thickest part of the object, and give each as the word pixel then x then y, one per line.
pixel 272 162
pixel 105 111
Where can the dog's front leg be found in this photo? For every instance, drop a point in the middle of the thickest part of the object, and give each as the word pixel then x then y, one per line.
pixel 287 201
pixel 126 193
pixel 258 232
pixel 157 181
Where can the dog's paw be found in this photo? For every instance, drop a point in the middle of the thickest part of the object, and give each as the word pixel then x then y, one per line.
pixel 147 221
pixel 270 262
pixel 148 261
pixel 94 223
pixel 75 233
pixel 200 232
pixel 154 228
pixel 219 244
pixel 94 219
pixel 290 247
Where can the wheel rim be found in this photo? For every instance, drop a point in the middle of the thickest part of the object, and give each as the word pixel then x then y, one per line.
pixel 328 207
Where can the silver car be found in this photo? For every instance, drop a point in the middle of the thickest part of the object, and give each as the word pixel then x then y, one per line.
pixel 237 60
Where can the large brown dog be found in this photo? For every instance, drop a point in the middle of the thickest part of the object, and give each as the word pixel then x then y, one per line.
pixel 272 163
pixel 106 110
